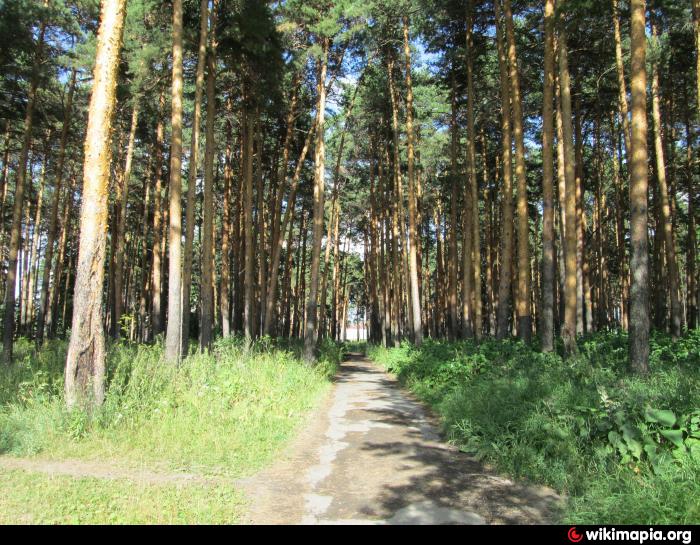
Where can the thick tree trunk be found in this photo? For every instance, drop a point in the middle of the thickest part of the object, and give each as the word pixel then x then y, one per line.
pixel 173 338
pixel 207 285
pixel 639 262
pixel 524 317
pixel 547 322
pixel 505 278
pixel 191 206
pixel 85 361
pixel 570 238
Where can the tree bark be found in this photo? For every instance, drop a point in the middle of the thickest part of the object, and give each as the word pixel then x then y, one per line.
pixel 412 233
pixel 85 361
pixel 53 218
pixel 570 238
pixel 117 285
pixel 524 322
pixel 173 338
pixel 547 322
pixel 505 278
pixel 639 262
pixel 188 256
pixel 207 286
pixel 664 207
pixel 310 327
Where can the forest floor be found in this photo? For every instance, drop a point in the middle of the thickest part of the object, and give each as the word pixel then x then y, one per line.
pixel 369 453
pixel 372 454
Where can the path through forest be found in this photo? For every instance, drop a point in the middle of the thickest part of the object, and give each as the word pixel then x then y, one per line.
pixel 372 455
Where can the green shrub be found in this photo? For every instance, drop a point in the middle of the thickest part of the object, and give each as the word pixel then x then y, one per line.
pixel 584 425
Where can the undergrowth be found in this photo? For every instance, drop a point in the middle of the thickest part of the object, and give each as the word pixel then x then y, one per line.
pixel 622 448
pixel 226 412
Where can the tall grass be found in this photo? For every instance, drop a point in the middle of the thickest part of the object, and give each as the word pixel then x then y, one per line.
pixel 580 425
pixel 226 412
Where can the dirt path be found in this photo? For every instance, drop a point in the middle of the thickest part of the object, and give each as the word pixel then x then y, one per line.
pixel 372 455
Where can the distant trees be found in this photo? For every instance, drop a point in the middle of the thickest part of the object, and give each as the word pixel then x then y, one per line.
pixel 386 163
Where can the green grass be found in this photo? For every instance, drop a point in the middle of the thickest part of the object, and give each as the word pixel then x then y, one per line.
pixel 582 425
pixel 33 498
pixel 227 413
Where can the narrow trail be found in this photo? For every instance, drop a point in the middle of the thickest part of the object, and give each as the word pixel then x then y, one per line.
pixel 372 455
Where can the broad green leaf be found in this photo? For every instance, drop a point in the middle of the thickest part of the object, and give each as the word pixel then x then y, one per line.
pixel 662 416
pixel 675 436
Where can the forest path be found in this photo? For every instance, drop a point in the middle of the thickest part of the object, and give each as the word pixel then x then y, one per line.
pixel 372 455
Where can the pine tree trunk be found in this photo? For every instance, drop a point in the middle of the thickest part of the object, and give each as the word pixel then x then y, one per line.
pixel 207 285
pixel 53 218
pixel 639 262
pixel 664 205
pixel 248 323
pixel 417 326
pixel 117 285
pixel 226 229
pixel 188 252
pixel 310 327
pixel 85 361
pixel 505 279
pixel 547 322
pixel 158 200
pixel 173 338
pixel 475 296
pixel 524 317
pixel 570 235
pixel 454 230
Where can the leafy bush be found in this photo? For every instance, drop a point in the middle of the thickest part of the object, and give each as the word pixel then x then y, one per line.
pixel 584 426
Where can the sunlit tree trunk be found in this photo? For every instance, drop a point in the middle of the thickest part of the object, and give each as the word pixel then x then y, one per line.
pixel 524 322
pixel 310 327
pixel 505 279
pixel 570 238
pixel 547 322
pixel 664 205
pixel 417 326
pixel 639 263
pixel 173 338
pixel 85 361
pixel 188 256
